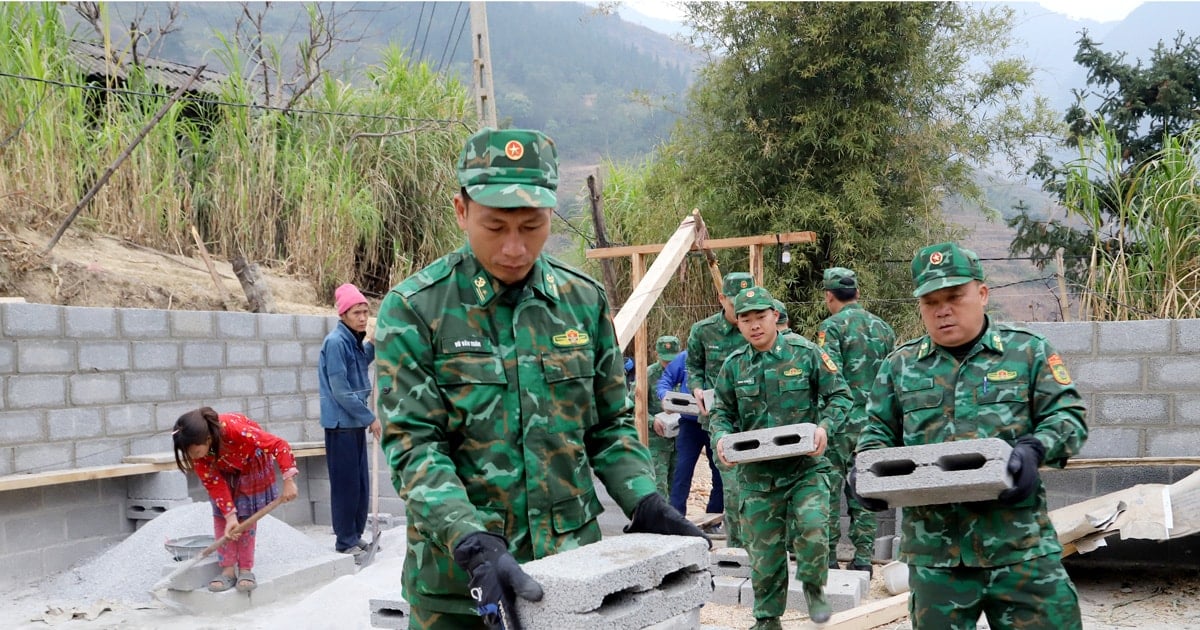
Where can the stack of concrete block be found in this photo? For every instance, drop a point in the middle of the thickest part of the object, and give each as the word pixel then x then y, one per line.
pixel 632 581
pixel 789 440
pixel 390 613
pixel 386 521
pixel 931 474
pixel 152 494
pixel 730 567
pixel 670 422
pixel 680 402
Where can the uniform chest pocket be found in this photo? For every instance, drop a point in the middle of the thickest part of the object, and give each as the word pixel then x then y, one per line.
pixel 568 365
pixel 797 392
pixel 919 394
pixel 1004 392
pixel 748 398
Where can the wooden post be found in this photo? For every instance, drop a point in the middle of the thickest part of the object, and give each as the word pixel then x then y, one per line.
pixel 112 168
pixel 212 271
pixel 756 264
pixel 714 269
pixel 631 316
pixel 640 349
pixel 1060 273
pixel 595 186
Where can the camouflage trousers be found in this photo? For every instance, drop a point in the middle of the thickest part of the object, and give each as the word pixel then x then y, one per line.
pixel 422 619
pixel 662 455
pixel 1033 595
pixel 733 506
pixel 863 523
pixel 794 514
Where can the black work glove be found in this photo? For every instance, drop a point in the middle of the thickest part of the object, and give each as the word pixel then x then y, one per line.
pixel 653 515
pixel 495 577
pixel 875 505
pixel 1023 464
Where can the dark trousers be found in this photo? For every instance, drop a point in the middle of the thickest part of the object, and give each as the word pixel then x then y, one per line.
pixel 688 443
pixel 349 484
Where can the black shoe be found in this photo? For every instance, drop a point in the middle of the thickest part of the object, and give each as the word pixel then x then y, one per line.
pixel 833 564
pixel 861 566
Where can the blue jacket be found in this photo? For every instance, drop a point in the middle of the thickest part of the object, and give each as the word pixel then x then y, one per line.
pixel 342 378
pixel 674 379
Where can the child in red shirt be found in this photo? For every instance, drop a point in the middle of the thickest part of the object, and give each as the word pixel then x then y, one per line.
pixel 232 456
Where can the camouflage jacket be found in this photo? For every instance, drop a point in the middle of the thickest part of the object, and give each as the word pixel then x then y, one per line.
pixel 710 341
pixel 653 403
pixel 857 341
pixel 1012 383
pixel 496 408
pixel 793 382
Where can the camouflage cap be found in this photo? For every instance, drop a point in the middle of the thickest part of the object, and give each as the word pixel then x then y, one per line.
pixel 783 316
pixel 667 347
pixel 839 278
pixel 510 168
pixel 734 282
pixel 944 265
pixel 753 299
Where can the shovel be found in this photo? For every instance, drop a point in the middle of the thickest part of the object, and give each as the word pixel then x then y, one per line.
pixel 158 588
pixel 374 546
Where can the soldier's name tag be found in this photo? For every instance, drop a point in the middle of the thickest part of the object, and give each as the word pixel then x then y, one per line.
pixel 466 344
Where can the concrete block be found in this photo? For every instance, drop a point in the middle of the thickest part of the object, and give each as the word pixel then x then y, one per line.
pixel 670 422
pixel 167 413
pixel 312 353
pixel 19 427
pixel 203 354
pixel 237 325
pixel 308 380
pixel 1150 336
pixel 89 521
pixel 1172 443
pixel 390 613
pixel 42 457
pixel 629 581
pixel 790 440
pixel 42 355
pixel 148 386
pixel 22 321
pixel 683 621
pixel 171 485
pixel 63 556
pixel 100 452
pixel 313 327
pixel 103 356
pixel 96 389
pixel 279 381
pixel 196 385
pixel 1174 373
pixel 730 562
pixel 1106 441
pixel 240 383
pixel 1130 409
pixel 247 354
pixel 286 408
pixel 6 460
pixel 842 594
pixel 386 520
pixel 1107 375
pixel 86 322
pixel 883 548
pixel 679 402
pixel 191 324
pixel 146 509
pixel 285 353
pixel 8 357
pixel 75 423
pixel 144 323
pixel 128 419
pixel 155 356
pixel 850 578
pixel 1187 336
pixel 33 531
pixel 727 589
pixel 277 326
pixel 930 474
pixel 1187 408
pixel 1068 338
pixel 196 576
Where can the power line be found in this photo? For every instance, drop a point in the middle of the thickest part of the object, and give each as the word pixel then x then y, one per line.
pixel 587 239
pixel 428 27
pixel 461 28
pixel 412 45
pixel 448 35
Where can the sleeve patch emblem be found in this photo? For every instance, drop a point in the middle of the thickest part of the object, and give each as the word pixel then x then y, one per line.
pixel 1061 376
pixel 829 364
pixel 821 338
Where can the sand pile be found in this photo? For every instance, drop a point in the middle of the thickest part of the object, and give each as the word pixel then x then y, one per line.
pixel 126 572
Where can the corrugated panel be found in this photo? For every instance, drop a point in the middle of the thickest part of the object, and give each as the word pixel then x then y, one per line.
pixel 171 75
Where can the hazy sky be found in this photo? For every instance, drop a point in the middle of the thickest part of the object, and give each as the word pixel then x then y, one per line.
pixel 1099 10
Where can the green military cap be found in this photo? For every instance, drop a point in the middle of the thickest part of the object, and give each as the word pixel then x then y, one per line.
pixel 944 265
pixel 783 316
pixel 667 347
pixel 510 168
pixel 753 299
pixel 734 282
pixel 839 278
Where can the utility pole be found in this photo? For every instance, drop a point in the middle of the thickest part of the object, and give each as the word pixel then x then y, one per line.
pixel 481 48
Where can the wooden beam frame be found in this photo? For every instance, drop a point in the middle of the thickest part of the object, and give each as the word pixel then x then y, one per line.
pixel 712 243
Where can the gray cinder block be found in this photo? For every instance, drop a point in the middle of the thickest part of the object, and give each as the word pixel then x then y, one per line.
pixel 842 594
pixel 727 589
pixel 930 474
pixel 670 423
pixel 848 578
pixel 195 577
pixel 729 561
pixel 170 485
pixel 679 402
pixel 629 581
pixel 759 445
pixel 390 613
pixel 146 509
pixel 883 548
pixel 683 621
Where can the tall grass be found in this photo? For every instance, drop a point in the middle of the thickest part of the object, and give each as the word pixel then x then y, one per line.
pixel 333 197
pixel 1145 222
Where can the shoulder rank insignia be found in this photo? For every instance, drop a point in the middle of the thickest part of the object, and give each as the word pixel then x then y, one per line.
pixel 1061 376
pixel 571 338
pixel 1002 375
pixel 483 288
pixel 821 338
pixel 829 364
pixel 793 372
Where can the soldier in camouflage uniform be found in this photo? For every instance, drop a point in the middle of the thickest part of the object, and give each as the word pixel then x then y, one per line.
pixel 710 341
pixel 974 378
pixel 501 391
pixel 776 380
pixel 857 341
pixel 662 449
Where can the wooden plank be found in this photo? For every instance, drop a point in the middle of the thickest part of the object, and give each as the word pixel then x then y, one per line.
pixel 641 409
pixel 631 316
pixel 1124 462
pixel 56 477
pixel 299 449
pixel 712 243
pixel 756 264
pixel 866 616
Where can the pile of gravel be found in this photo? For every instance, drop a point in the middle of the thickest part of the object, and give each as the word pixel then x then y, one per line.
pixel 126 572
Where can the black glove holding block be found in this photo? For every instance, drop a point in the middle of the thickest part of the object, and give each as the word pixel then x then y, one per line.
pixel 653 515
pixel 875 505
pixel 1023 464
pixel 495 578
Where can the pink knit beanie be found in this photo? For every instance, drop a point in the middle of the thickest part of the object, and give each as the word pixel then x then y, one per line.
pixel 346 297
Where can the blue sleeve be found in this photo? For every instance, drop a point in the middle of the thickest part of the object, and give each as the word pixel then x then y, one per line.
pixel 674 375
pixel 369 350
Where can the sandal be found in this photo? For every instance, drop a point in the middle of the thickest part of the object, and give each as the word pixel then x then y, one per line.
pixel 245 582
pixel 222 583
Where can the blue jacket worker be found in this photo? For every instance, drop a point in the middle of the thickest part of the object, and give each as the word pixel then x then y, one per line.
pixel 692 437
